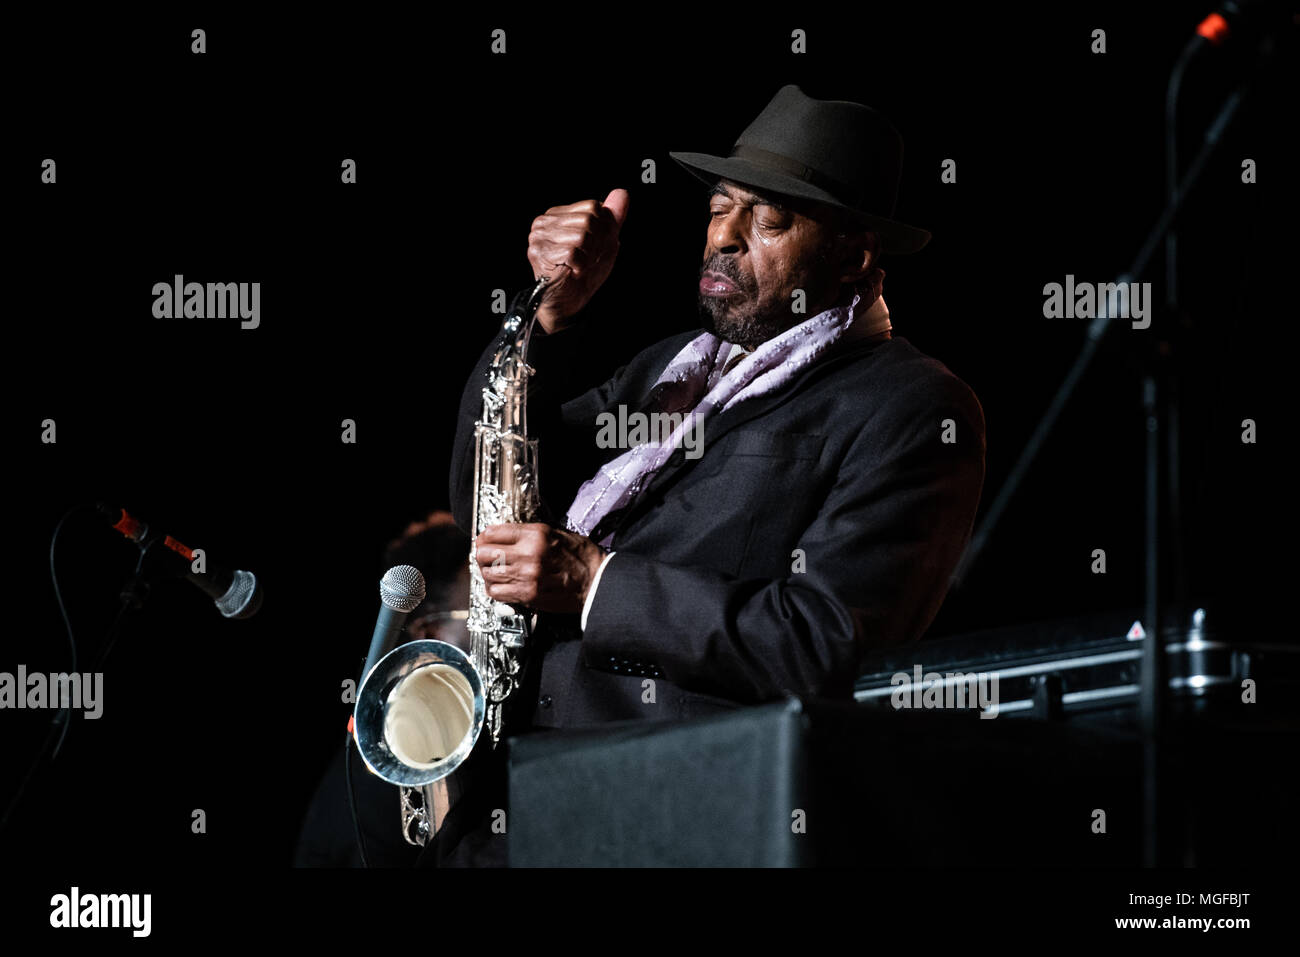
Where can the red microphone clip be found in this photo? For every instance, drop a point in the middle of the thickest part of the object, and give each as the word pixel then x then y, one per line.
pixel 1215 29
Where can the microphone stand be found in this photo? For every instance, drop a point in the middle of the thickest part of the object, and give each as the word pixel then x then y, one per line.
pixel 1154 686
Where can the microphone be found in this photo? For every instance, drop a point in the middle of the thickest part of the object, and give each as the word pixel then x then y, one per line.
pixel 236 593
pixel 400 590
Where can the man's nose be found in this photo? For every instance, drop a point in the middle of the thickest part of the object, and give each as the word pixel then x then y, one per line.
pixel 725 234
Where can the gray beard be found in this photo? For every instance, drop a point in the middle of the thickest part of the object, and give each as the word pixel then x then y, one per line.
pixel 744 329
pixel 749 329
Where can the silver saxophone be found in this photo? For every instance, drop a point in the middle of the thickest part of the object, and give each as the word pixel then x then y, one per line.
pixel 420 710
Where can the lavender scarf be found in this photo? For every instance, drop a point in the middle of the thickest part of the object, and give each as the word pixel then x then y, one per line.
pixel 693 384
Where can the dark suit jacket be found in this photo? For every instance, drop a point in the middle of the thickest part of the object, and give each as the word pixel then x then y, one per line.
pixel 821 522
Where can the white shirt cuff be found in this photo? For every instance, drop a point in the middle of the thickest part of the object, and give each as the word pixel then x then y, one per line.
pixel 591 592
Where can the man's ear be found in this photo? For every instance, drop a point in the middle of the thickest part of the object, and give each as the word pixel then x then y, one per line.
pixel 861 250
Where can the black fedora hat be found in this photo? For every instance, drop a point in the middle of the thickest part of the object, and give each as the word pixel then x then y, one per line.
pixel 841 154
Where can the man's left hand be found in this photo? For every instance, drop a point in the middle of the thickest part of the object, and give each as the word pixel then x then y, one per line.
pixel 545 568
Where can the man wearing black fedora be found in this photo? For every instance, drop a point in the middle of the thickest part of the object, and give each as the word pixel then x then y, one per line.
pixel 840 468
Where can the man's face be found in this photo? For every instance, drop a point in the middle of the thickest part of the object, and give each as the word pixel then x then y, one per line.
pixel 759 250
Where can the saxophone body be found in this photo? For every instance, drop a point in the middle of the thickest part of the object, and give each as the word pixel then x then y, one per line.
pixel 421 709
pixel 505 490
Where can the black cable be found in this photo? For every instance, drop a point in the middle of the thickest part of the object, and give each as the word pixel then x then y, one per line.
pixel 352 799
pixel 64 718
pixel 64 714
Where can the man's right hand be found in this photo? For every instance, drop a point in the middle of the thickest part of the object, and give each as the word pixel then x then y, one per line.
pixel 576 246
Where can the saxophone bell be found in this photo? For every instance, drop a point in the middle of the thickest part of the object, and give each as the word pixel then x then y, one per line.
pixel 418 715
pixel 419 712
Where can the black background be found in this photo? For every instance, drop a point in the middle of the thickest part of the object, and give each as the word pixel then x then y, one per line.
pixel 376 300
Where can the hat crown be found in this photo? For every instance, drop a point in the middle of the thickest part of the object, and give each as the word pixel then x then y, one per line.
pixel 853 146
pixel 843 155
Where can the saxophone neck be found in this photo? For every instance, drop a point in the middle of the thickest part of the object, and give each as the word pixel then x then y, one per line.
pixel 507 377
pixel 523 313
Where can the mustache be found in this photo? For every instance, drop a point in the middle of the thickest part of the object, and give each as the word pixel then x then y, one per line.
pixel 724 266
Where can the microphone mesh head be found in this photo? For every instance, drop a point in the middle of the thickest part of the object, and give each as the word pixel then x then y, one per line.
pixel 243 598
pixel 402 587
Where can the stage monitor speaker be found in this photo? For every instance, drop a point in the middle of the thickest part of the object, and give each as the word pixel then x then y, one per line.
pixel 799 783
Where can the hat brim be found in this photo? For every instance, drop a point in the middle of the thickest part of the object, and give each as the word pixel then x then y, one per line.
pixel 895 237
